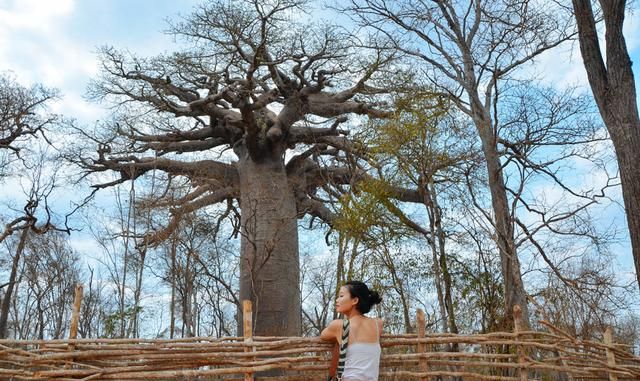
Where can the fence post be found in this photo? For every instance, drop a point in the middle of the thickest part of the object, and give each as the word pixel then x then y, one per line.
pixel 75 313
pixel 75 317
pixel 611 357
pixel 422 347
pixel 247 327
pixel 517 328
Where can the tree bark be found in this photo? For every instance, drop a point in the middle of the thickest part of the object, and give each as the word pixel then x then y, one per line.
pixel 135 329
pixel 269 262
pixel 6 300
pixel 428 203
pixel 340 278
pixel 444 267
pixel 172 308
pixel 514 291
pixel 613 86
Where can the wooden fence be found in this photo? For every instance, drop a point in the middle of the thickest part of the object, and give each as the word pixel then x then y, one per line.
pixel 500 356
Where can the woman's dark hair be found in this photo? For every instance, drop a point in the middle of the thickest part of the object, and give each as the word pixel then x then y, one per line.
pixel 366 297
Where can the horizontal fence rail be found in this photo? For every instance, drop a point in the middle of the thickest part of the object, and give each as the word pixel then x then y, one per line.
pixel 500 356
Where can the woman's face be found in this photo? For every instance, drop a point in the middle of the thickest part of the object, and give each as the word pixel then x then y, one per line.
pixel 345 303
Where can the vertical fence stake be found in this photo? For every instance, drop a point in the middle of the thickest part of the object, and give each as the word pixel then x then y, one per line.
pixel 75 317
pixel 247 327
pixel 422 347
pixel 517 328
pixel 611 357
pixel 75 313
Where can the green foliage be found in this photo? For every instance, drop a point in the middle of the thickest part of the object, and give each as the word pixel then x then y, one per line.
pixel 421 139
pixel 366 209
pixel 112 321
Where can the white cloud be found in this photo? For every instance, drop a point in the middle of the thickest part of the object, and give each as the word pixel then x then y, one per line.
pixel 85 244
pixel 36 15
pixel 74 105
pixel 563 67
pixel 34 45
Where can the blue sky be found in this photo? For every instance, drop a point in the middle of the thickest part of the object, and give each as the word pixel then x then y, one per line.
pixel 53 42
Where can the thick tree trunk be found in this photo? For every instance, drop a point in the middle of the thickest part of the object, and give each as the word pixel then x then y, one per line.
pixel 514 292
pixel 6 300
pixel 627 145
pixel 613 86
pixel 269 262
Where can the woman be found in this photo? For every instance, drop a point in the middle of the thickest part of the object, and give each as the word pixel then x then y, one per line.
pixel 363 349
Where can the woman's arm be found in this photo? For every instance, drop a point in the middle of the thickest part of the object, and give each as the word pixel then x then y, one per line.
pixel 333 331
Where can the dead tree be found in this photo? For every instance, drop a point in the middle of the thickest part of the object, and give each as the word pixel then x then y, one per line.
pixel 466 50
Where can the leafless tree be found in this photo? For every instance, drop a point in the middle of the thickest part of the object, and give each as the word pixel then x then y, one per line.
pixel 272 90
pixel 51 273
pixel 122 262
pixel 95 306
pixel 318 293
pixel 614 88
pixel 467 50
pixel 40 304
pixel 37 218
pixel 23 117
pixel 586 314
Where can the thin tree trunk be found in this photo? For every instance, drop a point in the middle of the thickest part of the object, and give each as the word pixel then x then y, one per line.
pixel 125 260
pixel 444 268
pixel 514 292
pixel 122 293
pixel 428 203
pixel 6 300
pixel 137 294
pixel 187 308
pixel 40 319
pixel 352 260
pixel 196 311
pixel 613 86
pixel 172 306
pixel 269 262
pixel 342 249
pixel 399 286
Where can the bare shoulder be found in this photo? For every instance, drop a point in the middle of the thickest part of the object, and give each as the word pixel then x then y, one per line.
pixel 336 324
pixel 332 331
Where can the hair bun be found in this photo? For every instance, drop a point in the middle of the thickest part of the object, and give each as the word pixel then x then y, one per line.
pixel 374 297
pixel 366 297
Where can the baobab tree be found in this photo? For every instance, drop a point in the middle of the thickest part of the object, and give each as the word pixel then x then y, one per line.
pixel 274 92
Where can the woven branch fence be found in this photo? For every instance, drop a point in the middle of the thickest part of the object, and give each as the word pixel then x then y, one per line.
pixel 500 356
